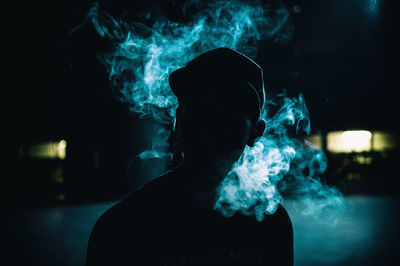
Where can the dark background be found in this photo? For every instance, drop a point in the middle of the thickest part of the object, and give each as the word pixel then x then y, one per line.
pixel 343 58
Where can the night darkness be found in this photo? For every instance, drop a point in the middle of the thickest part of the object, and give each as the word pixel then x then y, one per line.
pixel 343 57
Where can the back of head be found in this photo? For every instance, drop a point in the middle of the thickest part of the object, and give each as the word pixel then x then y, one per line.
pixel 221 94
pixel 221 74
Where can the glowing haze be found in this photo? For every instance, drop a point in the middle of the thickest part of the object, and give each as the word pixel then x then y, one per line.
pixel 280 165
pixel 145 55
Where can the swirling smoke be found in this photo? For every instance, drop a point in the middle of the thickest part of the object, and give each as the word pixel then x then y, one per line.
pixel 144 56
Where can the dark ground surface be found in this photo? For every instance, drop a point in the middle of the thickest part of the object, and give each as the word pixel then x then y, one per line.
pixel 366 234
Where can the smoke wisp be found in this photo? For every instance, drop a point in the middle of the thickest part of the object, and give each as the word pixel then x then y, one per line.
pixel 145 55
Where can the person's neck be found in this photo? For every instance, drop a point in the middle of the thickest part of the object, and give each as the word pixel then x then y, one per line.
pixel 201 182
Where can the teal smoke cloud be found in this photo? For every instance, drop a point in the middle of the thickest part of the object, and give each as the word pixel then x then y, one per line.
pixel 144 56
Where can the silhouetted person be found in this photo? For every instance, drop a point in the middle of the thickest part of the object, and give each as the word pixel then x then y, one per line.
pixel 171 220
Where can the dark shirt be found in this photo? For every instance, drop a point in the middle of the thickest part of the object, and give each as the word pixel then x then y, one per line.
pixel 160 225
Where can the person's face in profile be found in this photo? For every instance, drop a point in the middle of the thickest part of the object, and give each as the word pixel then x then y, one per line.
pixel 212 132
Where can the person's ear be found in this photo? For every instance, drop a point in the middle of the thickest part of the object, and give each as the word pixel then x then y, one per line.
pixel 177 123
pixel 256 132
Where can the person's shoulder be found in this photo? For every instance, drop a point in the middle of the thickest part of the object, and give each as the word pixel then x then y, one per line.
pixel 279 231
pixel 117 223
pixel 278 223
pixel 138 202
pixel 281 217
pixel 104 232
pixel 107 224
pixel 282 225
pixel 147 195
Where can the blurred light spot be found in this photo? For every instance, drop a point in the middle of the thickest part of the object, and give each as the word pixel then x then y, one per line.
pixel 296 9
pixel 360 141
pixel 384 141
pixel 47 150
pixel 62 151
pixel 315 140
pixel 373 6
pixel 349 141
pixel 360 159
pixel 58 175
pixel 353 176
pixel 60 196
pixel 63 144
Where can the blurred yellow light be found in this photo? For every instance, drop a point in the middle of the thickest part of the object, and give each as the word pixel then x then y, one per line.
pixel 60 196
pixel 48 150
pixel 360 159
pixel 384 141
pixel 63 144
pixel 357 135
pixel 315 140
pixel 62 151
pixel 349 141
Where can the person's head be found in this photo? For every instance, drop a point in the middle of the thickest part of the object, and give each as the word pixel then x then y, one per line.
pixel 221 96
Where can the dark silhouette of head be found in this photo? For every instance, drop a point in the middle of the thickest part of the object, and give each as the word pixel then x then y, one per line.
pixel 221 96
